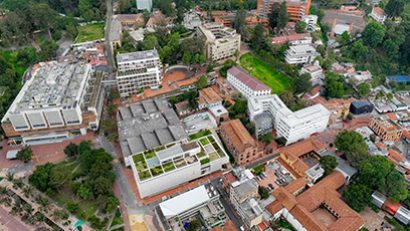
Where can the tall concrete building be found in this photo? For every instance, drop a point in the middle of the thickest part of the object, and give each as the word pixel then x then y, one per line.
pixel 221 42
pixel 296 8
pixel 138 70
pixel 57 102
pixel 144 5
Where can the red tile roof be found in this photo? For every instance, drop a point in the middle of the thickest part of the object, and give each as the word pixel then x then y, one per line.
pixel 248 79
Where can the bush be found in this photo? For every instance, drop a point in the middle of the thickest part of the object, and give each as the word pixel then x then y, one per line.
pixel 263 192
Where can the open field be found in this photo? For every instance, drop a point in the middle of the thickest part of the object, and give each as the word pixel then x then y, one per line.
pixel 90 32
pixel 265 73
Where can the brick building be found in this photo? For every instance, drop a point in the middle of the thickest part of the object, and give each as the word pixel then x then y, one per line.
pixel 387 130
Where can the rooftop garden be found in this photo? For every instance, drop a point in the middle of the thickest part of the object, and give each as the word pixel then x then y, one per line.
pixel 168 166
pixel 200 134
pixel 179 163
pixel 140 162
pixel 200 155
pixel 204 141
pixel 149 154
pixel 205 161
pixel 214 156
pixel 156 171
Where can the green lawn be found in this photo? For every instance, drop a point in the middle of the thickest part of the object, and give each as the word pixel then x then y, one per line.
pixel 265 73
pixel 200 134
pixel 90 32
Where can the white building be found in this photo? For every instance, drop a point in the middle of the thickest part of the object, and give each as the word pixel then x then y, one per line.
pixel 202 201
pixel 378 14
pixel 300 54
pixel 246 84
pixel 166 167
pixel 138 70
pixel 315 72
pixel 311 22
pixel 144 5
pixel 293 126
pixel 192 20
pixel 221 42
pixel 56 102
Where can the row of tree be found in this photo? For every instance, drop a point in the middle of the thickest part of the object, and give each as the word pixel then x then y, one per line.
pixel 374 172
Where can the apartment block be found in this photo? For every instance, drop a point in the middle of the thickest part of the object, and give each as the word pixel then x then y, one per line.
pixel 138 70
pixel 221 42
pixel 242 188
pixel 57 102
pixel 386 129
pixel 296 8
pixel 239 142
pixel 203 202
pixel 268 111
pixel 300 54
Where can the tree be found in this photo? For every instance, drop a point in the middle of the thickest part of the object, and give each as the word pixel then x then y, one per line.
pixel 394 8
pixel 258 41
pixel 263 192
pixel 226 66
pixel 364 90
pixel 267 138
pixel 239 21
pixel 353 146
pixel 71 150
pixel 334 85
pixel 25 154
pixel 41 176
pixel 150 42
pixel 202 82
pixel 283 16
pixel 57 177
pixel 302 83
pixel 194 225
pixel 274 15
pixel 300 27
pixel 84 192
pixel 328 163
pixel 357 196
pixel 102 186
pixel 373 34
pixel 48 50
pixel 186 58
pixel 111 204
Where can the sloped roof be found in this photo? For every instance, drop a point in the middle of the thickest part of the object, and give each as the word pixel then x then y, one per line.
pixel 248 79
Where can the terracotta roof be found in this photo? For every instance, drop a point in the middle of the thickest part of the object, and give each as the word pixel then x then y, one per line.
pixel 209 95
pixel 406 134
pixel 392 116
pixel 182 106
pixel 238 135
pixel 321 195
pixel 296 185
pixel 289 38
pixel 379 11
pixel 248 79
pixel 395 156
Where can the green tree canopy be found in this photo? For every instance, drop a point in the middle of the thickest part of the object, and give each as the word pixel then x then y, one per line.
pixel 394 8
pixel 71 150
pixel 25 154
pixel 328 163
pixel 357 196
pixel 300 27
pixel 373 34
pixel 353 146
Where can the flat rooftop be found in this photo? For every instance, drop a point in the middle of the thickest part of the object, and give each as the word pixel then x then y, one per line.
pixel 139 55
pixel 52 84
pixel 148 124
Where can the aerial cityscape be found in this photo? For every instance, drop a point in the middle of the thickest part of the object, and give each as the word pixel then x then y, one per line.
pixel 205 115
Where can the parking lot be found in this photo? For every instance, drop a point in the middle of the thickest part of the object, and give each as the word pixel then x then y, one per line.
pixel 274 176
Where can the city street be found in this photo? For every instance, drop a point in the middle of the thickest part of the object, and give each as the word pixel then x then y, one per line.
pixel 108 51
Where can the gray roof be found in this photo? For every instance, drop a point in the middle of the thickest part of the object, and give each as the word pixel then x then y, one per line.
pixel 342 165
pixel 139 55
pixel 148 124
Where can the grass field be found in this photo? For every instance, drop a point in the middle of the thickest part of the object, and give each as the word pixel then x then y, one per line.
pixel 90 32
pixel 265 73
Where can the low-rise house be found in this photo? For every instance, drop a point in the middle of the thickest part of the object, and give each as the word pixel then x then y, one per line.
pixel 300 54
pixel 378 14
pixel 239 142
pixel 158 19
pixel 360 77
pixel 385 129
pixel 137 35
pixel 192 20
pixel 284 39
pixel 130 20
pixel 343 68
pixel 210 100
pixel 311 22
pixel 315 72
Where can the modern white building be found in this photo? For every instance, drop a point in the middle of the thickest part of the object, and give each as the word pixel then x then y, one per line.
pixel 311 22
pixel 202 202
pixel 58 101
pixel 300 54
pixel 268 111
pixel 166 167
pixel 221 42
pixel 138 70
pixel 315 72
pixel 246 84
pixel 144 5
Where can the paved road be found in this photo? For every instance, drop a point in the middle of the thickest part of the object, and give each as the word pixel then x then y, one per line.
pixel 229 209
pixel 10 222
pixel 108 51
